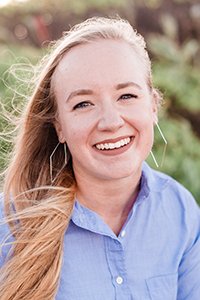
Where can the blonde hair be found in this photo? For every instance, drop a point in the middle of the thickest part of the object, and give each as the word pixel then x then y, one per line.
pixel 43 208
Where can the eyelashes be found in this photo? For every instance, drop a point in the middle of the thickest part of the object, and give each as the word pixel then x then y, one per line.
pixel 84 104
pixel 128 96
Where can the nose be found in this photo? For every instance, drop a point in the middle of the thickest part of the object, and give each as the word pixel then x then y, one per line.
pixel 111 119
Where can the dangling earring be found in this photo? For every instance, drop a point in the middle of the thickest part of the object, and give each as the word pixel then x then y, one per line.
pixel 51 156
pixel 154 159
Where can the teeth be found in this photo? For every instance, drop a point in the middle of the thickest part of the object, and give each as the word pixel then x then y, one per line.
pixel 111 145
pixel 118 144
pixel 106 146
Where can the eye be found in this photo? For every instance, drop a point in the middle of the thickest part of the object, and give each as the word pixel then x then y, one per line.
pixel 82 105
pixel 128 96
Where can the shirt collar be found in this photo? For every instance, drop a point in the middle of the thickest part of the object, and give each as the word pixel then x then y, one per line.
pixel 151 181
pixel 154 180
pixel 87 219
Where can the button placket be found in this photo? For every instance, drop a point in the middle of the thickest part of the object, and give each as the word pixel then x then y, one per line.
pixel 117 267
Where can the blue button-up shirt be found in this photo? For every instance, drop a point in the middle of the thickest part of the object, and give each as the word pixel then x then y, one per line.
pixel 155 257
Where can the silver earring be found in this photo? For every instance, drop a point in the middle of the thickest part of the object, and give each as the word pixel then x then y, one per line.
pixel 154 159
pixel 51 156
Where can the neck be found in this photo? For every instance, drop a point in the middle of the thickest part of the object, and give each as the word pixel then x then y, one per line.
pixel 112 200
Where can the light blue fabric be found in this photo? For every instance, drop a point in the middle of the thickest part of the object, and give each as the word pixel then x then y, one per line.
pixel 155 257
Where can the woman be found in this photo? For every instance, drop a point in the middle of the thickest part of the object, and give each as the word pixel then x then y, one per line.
pixel 89 219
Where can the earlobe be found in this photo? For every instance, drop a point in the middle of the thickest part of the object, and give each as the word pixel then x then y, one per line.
pixel 155 115
pixel 59 131
pixel 155 107
pixel 155 121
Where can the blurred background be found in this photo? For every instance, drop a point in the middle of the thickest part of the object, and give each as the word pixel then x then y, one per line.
pixel 172 31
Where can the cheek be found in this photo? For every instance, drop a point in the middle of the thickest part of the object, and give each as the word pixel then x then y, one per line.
pixel 75 135
pixel 142 120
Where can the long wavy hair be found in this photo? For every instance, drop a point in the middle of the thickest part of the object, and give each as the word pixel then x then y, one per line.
pixel 37 209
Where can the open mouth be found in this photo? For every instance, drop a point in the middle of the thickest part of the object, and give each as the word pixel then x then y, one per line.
pixel 111 146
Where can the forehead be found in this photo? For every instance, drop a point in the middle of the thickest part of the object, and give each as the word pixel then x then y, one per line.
pixel 102 61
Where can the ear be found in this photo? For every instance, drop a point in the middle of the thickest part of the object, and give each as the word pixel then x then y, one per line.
pixel 155 107
pixel 59 132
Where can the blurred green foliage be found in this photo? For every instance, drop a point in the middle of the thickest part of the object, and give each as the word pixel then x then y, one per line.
pixel 182 158
pixel 177 74
pixel 16 70
pixel 77 6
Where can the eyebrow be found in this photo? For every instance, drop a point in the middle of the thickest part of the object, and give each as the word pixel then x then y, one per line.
pixel 80 92
pixel 83 92
pixel 127 84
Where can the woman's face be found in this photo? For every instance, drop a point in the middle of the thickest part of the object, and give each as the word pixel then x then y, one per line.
pixel 105 110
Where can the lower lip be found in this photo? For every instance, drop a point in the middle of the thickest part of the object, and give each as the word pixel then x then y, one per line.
pixel 116 151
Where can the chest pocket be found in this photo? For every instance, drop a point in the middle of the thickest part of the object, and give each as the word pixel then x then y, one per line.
pixel 163 287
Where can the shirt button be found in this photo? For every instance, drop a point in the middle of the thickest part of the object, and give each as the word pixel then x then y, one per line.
pixel 119 280
pixel 123 233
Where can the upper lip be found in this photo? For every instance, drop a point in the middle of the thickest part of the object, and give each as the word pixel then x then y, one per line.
pixel 114 140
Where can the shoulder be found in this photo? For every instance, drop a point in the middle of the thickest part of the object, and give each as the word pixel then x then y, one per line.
pixel 176 201
pixel 5 234
pixel 164 184
pixel 2 213
pixel 169 193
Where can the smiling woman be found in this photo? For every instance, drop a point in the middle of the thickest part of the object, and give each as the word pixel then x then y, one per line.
pixel 85 215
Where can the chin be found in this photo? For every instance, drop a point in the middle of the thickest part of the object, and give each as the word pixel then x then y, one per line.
pixel 123 174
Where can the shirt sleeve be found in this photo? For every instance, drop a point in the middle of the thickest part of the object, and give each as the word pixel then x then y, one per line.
pixel 189 268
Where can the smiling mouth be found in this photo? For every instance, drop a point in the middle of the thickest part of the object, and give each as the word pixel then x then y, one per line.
pixel 111 146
